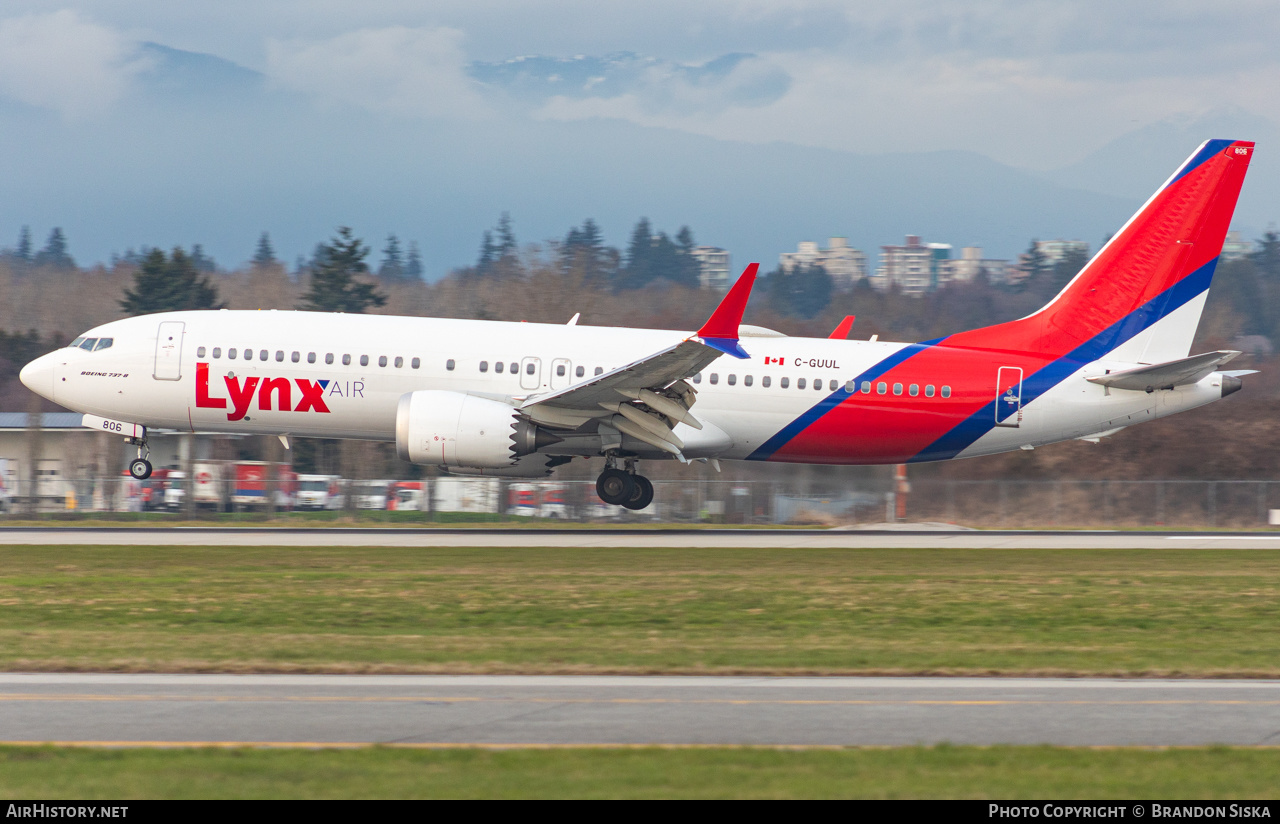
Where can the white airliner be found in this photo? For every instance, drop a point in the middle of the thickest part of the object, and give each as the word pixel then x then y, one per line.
pixel 518 399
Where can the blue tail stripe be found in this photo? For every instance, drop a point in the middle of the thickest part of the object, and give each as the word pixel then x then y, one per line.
pixel 1211 149
pixel 1050 375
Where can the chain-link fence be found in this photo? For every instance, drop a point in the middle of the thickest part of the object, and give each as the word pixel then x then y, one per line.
pixel 994 503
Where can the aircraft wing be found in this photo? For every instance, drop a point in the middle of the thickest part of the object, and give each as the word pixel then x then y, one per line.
pixel 1167 375
pixel 646 398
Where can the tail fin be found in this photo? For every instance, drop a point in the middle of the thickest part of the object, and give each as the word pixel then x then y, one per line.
pixel 1140 298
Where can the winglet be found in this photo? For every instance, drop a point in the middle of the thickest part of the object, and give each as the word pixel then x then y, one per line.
pixel 842 331
pixel 721 329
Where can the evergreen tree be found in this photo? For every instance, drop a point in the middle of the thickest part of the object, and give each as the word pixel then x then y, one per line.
pixel 334 287
pixel 1072 261
pixel 264 256
pixel 54 254
pixel 1033 262
pixel 392 267
pixel 585 248
pixel 638 270
pixel 201 261
pixel 488 255
pixel 169 285
pixel 803 291
pixel 506 237
pixel 690 269
pixel 413 266
pixel 1267 257
pixel 23 252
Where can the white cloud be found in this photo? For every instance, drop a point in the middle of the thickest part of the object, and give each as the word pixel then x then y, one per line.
pixel 396 70
pixel 62 61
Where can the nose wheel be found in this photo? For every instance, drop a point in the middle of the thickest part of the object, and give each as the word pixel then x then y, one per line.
pixel 140 468
pixel 622 488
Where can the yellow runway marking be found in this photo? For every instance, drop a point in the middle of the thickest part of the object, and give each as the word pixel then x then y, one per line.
pixel 474 699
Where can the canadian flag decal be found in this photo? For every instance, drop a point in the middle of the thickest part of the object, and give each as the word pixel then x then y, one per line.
pixel 771 361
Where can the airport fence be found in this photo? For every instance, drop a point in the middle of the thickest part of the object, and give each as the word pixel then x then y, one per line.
pixel 986 503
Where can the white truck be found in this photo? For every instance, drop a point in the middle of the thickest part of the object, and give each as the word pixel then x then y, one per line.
pixel 319 492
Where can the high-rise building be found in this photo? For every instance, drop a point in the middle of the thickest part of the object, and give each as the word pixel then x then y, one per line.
pixel 1235 246
pixel 713 267
pixel 965 268
pixel 845 264
pixel 913 268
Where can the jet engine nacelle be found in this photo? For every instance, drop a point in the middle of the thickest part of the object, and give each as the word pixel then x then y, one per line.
pixel 454 429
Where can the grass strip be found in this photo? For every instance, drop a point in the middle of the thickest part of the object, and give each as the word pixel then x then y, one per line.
pixel 1104 612
pixel 907 772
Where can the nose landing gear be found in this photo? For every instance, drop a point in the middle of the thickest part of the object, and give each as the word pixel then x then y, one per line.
pixel 624 487
pixel 140 467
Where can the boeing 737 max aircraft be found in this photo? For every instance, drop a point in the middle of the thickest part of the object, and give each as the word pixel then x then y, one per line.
pixel 518 399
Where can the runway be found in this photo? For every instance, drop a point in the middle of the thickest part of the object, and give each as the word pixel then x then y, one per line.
pixel 623 538
pixel 497 711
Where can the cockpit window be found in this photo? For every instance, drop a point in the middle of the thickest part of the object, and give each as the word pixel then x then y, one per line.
pixel 104 343
pixel 88 344
pixel 75 344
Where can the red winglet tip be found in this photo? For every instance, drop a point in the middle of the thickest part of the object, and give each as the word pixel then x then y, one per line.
pixel 842 331
pixel 724 321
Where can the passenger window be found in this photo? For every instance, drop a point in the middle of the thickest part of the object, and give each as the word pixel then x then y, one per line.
pixel 231 353
pixel 529 368
pixel 746 380
pixel 786 382
pixel 364 360
pixel 697 378
pixel 817 384
pixel 311 357
pixel 913 390
pixel 897 389
pixel 850 387
pixel 484 366
pixel 279 356
pixel 514 368
pixel 346 360
pixel 328 357
pixel 89 344
pixel 599 370
pixel 559 370
pixel 103 343
pixel 833 384
pixel 382 360
pixel 715 378
pixel 928 391
pixel 764 381
pixel 579 372
pixel 497 367
pixel 296 357
pixel 200 352
pixel 399 362
pixel 415 363
pixel 801 383
pixel 263 354
pixel 449 364
pixel 217 351
pixel 733 379
pixel 866 387
pixel 946 391
pixel 881 387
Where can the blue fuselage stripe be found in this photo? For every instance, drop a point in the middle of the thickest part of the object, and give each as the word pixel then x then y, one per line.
pixel 964 434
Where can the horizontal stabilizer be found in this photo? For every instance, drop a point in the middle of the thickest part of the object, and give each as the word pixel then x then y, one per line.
pixel 1167 375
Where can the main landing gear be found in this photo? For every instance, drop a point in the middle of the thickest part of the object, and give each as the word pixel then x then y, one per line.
pixel 140 467
pixel 624 487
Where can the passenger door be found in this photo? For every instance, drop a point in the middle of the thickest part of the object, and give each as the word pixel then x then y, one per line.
pixel 169 351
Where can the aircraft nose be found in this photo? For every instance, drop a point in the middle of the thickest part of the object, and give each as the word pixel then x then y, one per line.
pixel 38 376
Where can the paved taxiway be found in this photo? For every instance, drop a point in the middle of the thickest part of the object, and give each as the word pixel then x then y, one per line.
pixel 292 710
pixel 619 538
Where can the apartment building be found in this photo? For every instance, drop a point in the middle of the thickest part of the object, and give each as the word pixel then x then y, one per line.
pixel 845 264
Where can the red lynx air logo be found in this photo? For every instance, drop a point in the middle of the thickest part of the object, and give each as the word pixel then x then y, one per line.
pixel 272 393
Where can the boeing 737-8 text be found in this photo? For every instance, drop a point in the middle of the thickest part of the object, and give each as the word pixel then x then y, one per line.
pixel 518 399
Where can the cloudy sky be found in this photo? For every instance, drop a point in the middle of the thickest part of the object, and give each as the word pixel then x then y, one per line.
pixel 1034 85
